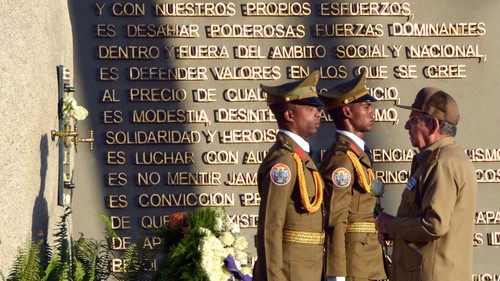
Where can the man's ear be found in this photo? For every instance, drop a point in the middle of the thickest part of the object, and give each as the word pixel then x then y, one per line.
pixel 288 114
pixel 435 125
pixel 346 110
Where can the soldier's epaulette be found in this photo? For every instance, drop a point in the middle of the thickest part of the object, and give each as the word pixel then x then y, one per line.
pixel 286 145
pixel 433 157
pixel 346 146
pixel 342 146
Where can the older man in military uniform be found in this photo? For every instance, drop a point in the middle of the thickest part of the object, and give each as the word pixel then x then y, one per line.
pixel 353 252
pixel 290 229
pixel 434 226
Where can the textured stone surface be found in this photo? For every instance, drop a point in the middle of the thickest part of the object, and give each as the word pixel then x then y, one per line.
pixel 36 37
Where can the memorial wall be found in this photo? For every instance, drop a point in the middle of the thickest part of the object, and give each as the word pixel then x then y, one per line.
pixel 180 121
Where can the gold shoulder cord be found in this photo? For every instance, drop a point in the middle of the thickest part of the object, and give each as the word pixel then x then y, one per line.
pixel 303 190
pixel 359 170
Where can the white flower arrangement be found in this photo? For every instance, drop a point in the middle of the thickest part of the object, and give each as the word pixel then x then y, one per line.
pixel 377 189
pixel 204 245
pixel 213 255
pixel 226 240
pixel 72 109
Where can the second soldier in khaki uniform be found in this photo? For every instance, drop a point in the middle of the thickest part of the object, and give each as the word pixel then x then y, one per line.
pixel 353 252
pixel 290 234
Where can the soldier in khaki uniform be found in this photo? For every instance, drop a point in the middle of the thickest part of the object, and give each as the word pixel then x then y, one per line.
pixel 434 226
pixel 353 252
pixel 290 234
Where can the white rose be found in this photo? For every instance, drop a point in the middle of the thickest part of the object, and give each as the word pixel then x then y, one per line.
pixel 80 113
pixel 241 243
pixel 377 187
pixel 235 228
pixel 241 257
pixel 227 239
pixel 216 244
pixel 229 251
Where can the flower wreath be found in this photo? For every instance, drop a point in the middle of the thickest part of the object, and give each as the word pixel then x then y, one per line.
pixel 206 246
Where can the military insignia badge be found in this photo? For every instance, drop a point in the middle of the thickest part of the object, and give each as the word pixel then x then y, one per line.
pixel 341 177
pixel 411 183
pixel 280 174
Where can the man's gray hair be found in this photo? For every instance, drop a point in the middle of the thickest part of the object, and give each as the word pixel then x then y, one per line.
pixel 446 128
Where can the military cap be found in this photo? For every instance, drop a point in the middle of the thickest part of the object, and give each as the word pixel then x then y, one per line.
pixel 351 91
pixel 436 103
pixel 300 92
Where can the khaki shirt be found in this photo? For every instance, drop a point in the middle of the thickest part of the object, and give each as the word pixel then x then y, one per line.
pixel 434 226
pixel 281 208
pixel 349 254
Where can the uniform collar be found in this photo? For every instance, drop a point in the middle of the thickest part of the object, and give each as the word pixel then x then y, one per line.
pixel 440 143
pixel 298 139
pixel 422 156
pixel 359 142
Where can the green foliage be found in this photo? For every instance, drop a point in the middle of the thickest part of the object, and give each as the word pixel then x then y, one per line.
pixel 50 271
pixel 109 225
pixel 82 260
pixel 202 218
pixel 136 264
pixel 27 264
pixel 79 272
pixel 182 261
pixel 62 270
pixel 92 258
pixel 28 267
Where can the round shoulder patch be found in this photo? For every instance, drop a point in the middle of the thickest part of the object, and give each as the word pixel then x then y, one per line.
pixel 341 177
pixel 280 174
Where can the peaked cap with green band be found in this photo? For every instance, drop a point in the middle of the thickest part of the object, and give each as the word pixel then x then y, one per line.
pixel 301 92
pixel 354 90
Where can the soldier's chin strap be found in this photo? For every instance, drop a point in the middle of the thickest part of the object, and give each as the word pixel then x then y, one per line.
pixel 363 182
pixel 304 196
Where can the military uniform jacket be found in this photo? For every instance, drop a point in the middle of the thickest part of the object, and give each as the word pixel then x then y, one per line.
pixel 351 254
pixel 281 208
pixel 434 227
